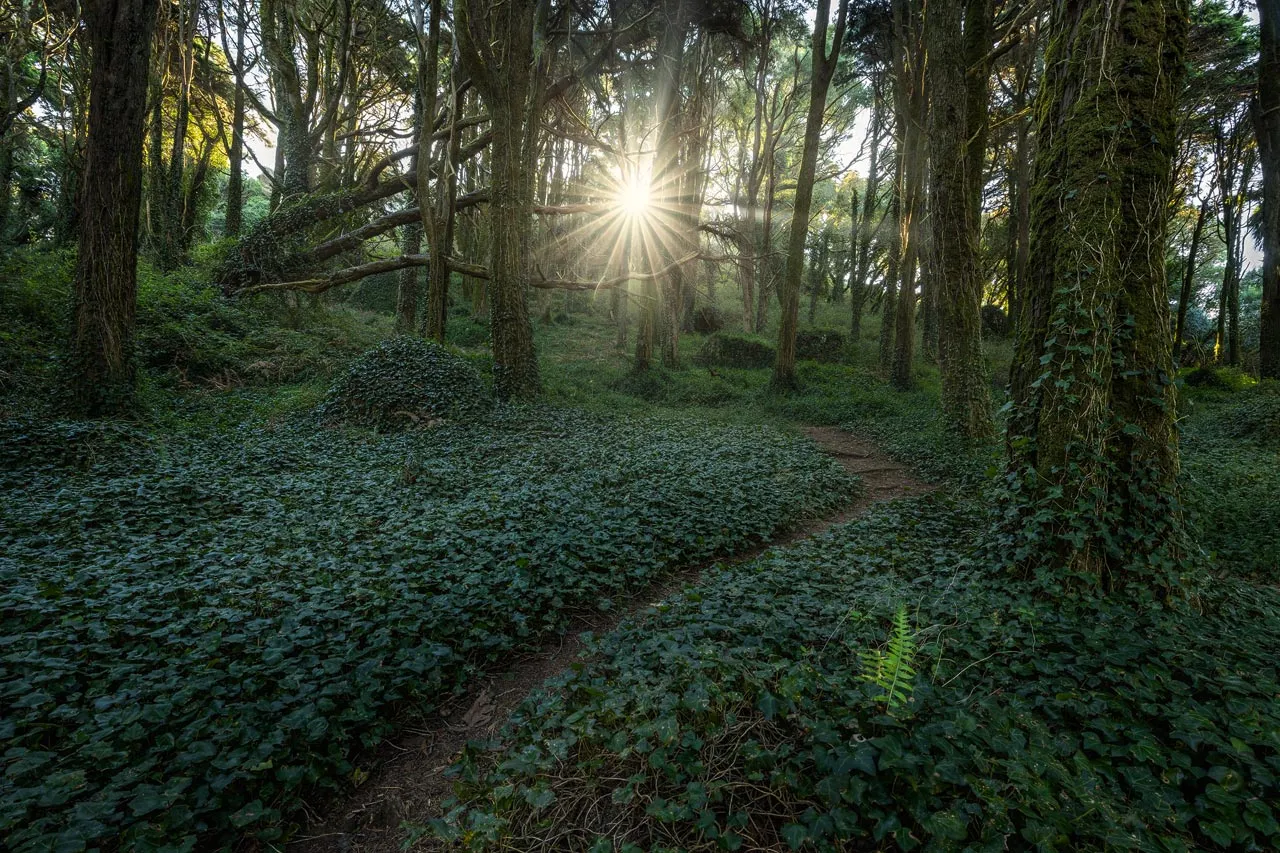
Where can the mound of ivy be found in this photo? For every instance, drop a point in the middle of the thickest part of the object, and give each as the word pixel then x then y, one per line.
pixel 200 627
pixel 820 344
pixel 725 349
pixel 876 689
pixel 406 381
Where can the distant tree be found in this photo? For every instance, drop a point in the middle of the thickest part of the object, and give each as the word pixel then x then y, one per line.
pixel 823 62
pixel 105 292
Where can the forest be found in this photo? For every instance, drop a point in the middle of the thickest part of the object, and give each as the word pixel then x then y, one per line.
pixel 620 426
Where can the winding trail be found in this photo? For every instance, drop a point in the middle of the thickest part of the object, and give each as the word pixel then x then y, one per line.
pixel 408 781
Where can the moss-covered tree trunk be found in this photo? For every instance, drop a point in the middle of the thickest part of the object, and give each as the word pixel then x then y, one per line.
pixel 105 291
pixel 496 45
pixel 957 136
pixel 1091 437
pixel 1267 126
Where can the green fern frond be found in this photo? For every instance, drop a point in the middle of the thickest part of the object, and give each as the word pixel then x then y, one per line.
pixel 892 668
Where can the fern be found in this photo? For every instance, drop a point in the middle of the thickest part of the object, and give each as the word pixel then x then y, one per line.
pixel 891 668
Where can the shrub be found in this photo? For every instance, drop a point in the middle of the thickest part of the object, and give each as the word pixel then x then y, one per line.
pixel 1207 377
pixel 725 349
pixel 708 319
pixel 404 382
pixel 820 344
pixel 995 323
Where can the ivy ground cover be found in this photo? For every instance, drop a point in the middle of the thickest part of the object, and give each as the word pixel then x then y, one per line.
pixel 884 687
pixel 196 628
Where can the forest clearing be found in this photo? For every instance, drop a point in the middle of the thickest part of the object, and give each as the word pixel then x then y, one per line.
pixel 680 426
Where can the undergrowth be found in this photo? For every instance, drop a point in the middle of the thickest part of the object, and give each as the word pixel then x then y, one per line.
pixel 202 625
pixel 748 713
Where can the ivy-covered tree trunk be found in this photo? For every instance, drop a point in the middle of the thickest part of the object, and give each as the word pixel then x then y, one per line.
pixel 893 253
pixel 958 123
pixel 1266 115
pixel 105 292
pixel 1092 442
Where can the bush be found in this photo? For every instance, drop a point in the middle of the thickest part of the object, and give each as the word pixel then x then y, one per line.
pixel 708 319
pixel 198 636
pixel 995 323
pixel 820 344
pixel 405 382
pixel 725 349
pixel 1208 378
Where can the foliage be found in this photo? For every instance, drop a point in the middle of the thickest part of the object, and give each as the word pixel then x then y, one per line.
pixel 725 349
pixel 734 716
pixel 1231 475
pixel 186 334
pixel 891 668
pixel 708 319
pixel 203 624
pixel 820 344
pixel 403 382
pixel 995 323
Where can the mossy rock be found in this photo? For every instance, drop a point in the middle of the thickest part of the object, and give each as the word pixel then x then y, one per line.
pixel 406 382
pixel 728 350
pixel 820 344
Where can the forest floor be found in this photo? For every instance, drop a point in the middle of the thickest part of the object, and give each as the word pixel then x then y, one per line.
pixel 409 782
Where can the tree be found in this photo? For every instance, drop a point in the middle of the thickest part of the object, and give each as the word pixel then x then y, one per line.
pixel 823 67
pixel 496 44
pixel 911 111
pixel 105 293
pixel 959 40
pixel 1266 121
pixel 1091 434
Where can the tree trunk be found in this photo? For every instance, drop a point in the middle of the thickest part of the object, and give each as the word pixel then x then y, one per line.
pixel 824 66
pixel 1266 115
pixel 105 292
pixel 893 253
pixel 496 44
pixel 957 121
pixel 410 281
pixel 235 157
pixel 912 108
pixel 1188 281
pixel 1092 434
pixel 864 226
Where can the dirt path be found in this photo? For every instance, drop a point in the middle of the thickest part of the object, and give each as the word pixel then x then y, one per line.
pixel 408 780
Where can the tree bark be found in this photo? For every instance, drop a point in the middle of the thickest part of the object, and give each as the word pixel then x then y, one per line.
pixel 235 157
pixel 496 45
pixel 105 292
pixel 1092 436
pixel 824 66
pixel 912 109
pixel 1266 117
pixel 958 122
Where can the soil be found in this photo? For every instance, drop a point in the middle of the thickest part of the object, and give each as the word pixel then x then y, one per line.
pixel 407 781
